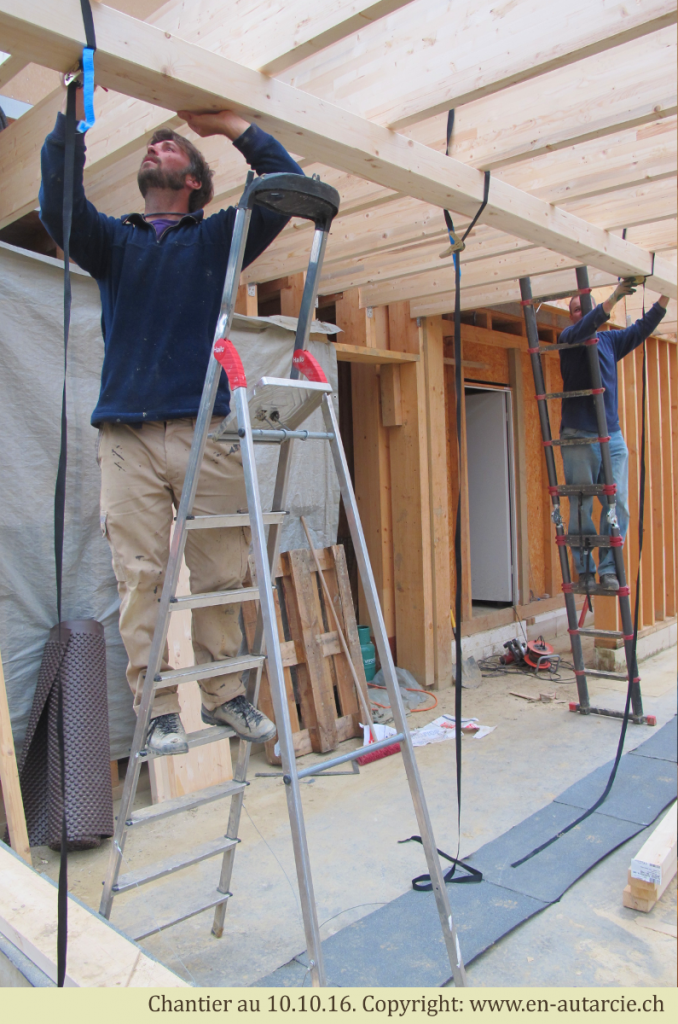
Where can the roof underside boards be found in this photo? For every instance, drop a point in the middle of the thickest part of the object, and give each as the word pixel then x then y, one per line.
pixel 571 108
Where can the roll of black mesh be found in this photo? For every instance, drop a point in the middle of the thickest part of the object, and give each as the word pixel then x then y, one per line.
pixel 75 660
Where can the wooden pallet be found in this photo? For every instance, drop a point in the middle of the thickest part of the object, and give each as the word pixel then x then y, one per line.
pixel 321 697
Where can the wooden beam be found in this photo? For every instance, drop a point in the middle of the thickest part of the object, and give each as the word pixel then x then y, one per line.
pixel 135 57
pixel 487 48
pixel 526 263
pixel 551 285
pixel 375 356
pixel 10 67
pixel 591 99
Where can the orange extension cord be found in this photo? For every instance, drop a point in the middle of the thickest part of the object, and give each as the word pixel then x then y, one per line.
pixel 409 690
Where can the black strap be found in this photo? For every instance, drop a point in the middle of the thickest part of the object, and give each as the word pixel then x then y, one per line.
pixel 88 22
pixel 422 883
pixel 59 517
pixel 632 665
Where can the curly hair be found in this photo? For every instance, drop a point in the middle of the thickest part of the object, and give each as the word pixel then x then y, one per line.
pixel 198 167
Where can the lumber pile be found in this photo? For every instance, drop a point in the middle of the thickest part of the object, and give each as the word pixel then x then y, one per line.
pixel 321 697
pixel 653 867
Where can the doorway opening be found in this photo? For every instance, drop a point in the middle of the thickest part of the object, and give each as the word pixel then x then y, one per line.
pixel 491 494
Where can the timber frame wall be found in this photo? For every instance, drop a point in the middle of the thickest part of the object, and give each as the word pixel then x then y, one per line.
pixel 406 474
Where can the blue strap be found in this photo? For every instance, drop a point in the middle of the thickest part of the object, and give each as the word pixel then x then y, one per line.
pixel 87 89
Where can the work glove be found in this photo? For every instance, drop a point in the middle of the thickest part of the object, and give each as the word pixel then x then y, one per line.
pixel 625 287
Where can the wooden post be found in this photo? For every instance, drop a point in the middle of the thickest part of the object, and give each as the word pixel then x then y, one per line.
pixel 9 777
pixel 647 577
pixel 516 382
pixel 410 504
pixel 655 514
pixel 434 373
pixel 666 383
pixel 371 459
pixel 290 295
pixel 631 403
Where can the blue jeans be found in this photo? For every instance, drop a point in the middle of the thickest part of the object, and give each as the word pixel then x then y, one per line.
pixel 583 465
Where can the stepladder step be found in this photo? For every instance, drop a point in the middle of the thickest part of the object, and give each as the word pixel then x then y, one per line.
pixel 597 673
pixel 160 926
pixel 209 668
pixel 587 490
pixel 592 540
pixel 232 519
pixel 609 634
pixel 595 590
pixel 215 597
pixel 167 808
pixel 176 862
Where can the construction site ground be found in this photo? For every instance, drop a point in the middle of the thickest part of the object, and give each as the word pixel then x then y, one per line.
pixel 354 823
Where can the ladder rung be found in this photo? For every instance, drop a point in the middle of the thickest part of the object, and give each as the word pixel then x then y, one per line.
pixel 572 441
pixel 600 674
pixel 211 734
pixel 569 394
pixel 174 863
pixel 593 540
pixel 215 901
pixel 210 668
pixel 235 519
pixel 563 348
pixel 185 803
pixel 214 597
pixel 594 589
pixel 588 490
pixel 610 634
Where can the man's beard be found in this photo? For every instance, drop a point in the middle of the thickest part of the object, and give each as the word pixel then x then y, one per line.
pixel 152 176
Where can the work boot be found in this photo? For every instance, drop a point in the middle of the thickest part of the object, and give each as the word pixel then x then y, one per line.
pixel 246 721
pixel 609 581
pixel 587 577
pixel 166 735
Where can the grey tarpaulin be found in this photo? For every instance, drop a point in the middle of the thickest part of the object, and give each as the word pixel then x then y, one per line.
pixel 31 363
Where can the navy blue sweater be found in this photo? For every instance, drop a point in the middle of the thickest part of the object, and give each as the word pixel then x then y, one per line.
pixel 160 298
pixel 612 346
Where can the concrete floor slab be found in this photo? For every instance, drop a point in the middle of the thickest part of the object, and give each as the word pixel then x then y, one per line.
pixel 354 824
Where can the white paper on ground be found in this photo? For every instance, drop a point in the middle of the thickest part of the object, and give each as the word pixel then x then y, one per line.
pixel 442 729
pixel 382 732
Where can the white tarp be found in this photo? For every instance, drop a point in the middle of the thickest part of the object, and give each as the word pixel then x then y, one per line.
pixel 31 377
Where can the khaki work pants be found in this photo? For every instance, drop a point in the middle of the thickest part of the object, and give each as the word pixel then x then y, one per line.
pixel 142 476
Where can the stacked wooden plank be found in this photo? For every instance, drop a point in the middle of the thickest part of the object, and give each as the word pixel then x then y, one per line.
pixel 653 867
pixel 321 697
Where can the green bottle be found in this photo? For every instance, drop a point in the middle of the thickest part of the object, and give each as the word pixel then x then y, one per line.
pixel 368 652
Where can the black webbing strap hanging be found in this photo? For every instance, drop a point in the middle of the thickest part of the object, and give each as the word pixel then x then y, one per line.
pixel 60 487
pixel 456 246
pixel 422 883
pixel 631 666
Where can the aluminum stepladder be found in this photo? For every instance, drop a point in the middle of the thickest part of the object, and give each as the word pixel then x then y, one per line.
pixel 291 195
pixel 606 491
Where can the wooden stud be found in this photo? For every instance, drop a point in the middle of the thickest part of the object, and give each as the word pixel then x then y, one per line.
pixel 372 470
pixel 9 778
pixel 391 399
pixel 432 344
pixel 669 520
pixel 290 295
pixel 410 504
pixel 655 513
pixel 520 464
pixel 647 576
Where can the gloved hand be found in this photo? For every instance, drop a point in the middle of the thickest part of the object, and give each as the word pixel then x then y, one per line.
pixel 625 287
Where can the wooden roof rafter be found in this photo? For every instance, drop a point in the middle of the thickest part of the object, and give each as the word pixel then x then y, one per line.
pixel 386 192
